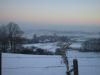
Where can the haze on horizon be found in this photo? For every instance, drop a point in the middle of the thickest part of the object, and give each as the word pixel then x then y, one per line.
pixel 52 14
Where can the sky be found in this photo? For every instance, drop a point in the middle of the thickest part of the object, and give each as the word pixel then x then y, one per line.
pixel 52 13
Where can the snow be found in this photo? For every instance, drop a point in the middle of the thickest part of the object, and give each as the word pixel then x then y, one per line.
pixel 47 46
pixel 75 45
pixel 88 62
pixel 20 64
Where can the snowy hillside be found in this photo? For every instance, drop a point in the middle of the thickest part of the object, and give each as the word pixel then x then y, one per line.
pixel 47 46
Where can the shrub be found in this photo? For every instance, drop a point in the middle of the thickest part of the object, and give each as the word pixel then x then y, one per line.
pixel 26 51
pixel 58 51
pixel 38 51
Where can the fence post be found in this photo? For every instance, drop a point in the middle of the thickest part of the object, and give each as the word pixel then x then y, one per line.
pixel 68 73
pixel 67 65
pixel 75 66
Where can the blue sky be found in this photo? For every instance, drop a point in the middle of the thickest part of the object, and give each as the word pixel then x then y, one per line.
pixel 53 13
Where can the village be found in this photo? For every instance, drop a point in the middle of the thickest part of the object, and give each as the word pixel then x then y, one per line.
pixel 35 51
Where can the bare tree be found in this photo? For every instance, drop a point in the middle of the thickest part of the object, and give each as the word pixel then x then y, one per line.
pixel 3 38
pixel 64 53
pixel 14 32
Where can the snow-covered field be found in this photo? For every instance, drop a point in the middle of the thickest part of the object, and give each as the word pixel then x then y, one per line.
pixel 47 46
pixel 20 64
pixel 75 45
pixel 89 62
pixel 51 46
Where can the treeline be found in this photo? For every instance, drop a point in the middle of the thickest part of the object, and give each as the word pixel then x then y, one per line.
pixel 35 51
pixel 48 38
pixel 91 45
pixel 11 40
pixel 10 37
